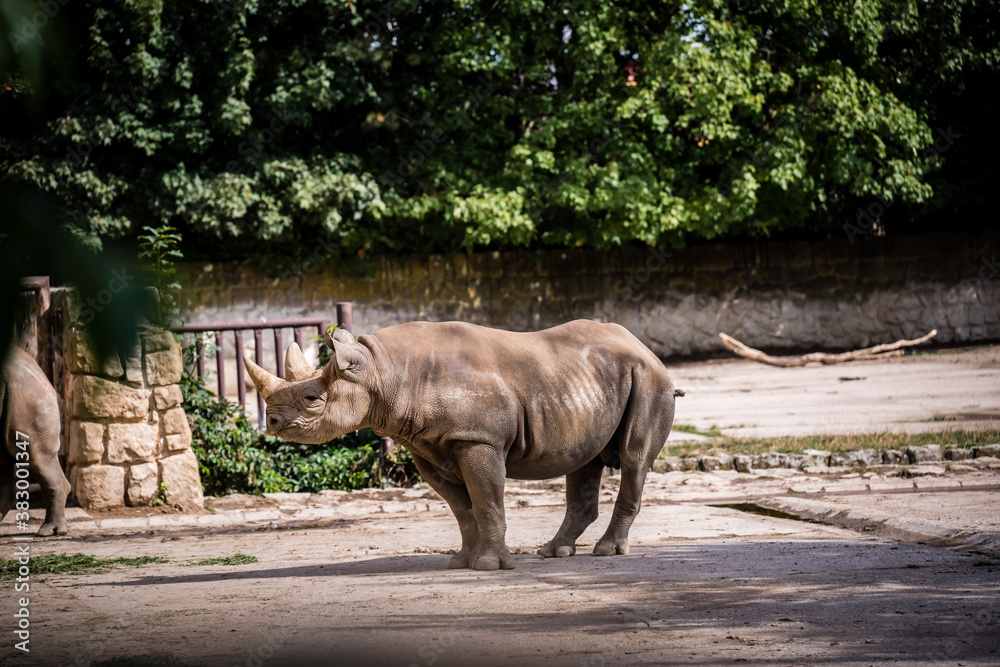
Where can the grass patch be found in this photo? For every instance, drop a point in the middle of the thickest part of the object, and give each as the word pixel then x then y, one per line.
pixel 712 432
pixel 75 564
pixel 830 443
pixel 237 559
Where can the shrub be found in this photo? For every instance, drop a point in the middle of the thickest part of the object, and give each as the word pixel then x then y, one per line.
pixel 234 457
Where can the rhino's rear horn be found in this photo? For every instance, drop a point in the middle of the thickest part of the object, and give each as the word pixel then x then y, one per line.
pixel 296 366
pixel 264 381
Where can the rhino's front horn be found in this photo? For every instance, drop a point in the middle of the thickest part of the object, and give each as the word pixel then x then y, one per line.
pixel 296 366
pixel 264 381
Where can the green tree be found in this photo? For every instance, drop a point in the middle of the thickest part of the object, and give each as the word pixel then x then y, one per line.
pixel 415 126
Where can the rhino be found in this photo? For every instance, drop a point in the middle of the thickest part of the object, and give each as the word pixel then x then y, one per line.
pixel 30 414
pixel 476 405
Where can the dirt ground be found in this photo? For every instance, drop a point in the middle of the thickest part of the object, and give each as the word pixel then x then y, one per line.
pixel 904 570
pixel 942 389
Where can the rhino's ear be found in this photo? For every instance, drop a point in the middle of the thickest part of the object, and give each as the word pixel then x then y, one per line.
pixel 342 335
pixel 349 357
pixel 296 366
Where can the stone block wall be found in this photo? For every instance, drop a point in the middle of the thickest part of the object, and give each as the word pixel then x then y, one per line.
pixel 828 294
pixel 125 431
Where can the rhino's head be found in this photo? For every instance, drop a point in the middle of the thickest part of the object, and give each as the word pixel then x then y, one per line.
pixel 312 406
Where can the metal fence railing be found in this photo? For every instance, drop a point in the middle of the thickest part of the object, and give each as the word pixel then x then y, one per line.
pixel 344 319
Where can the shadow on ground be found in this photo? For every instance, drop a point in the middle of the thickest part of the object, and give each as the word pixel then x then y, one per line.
pixel 821 601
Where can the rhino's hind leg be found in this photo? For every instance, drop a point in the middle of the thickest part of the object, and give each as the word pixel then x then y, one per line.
pixel 6 484
pixel 55 488
pixel 583 488
pixel 458 500
pixel 643 431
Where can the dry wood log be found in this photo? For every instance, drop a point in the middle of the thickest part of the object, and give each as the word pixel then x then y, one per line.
pixel 876 352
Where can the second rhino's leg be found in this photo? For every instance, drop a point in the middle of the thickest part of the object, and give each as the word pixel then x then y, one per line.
pixel 484 471
pixel 457 497
pixel 583 488
pixel 55 488
pixel 6 484
pixel 44 463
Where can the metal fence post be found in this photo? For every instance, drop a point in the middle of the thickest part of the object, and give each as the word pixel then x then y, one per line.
pixel 345 316
pixel 200 347
pixel 258 358
pixel 279 354
pixel 241 390
pixel 220 364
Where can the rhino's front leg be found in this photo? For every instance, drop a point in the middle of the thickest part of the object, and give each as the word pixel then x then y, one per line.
pixel 458 500
pixel 483 470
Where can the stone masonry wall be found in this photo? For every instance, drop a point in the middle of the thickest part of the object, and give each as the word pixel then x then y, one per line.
pixel 804 295
pixel 124 427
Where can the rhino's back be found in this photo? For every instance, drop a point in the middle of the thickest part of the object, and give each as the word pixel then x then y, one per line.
pixel 484 345
pixel 441 349
pixel 544 389
pixel 29 401
pixel 22 373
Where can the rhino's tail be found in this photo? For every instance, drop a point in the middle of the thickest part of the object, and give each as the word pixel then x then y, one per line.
pixel 678 392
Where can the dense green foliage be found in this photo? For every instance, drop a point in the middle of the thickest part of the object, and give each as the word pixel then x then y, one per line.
pixel 402 126
pixel 234 457
pixel 158 248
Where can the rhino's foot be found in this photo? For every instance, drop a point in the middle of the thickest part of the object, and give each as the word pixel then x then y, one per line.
pixel 551 550
pixel 491 562
pixel 48 529
pixel 611 548
pixel 458 561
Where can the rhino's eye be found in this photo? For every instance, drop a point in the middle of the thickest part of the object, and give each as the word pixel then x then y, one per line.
pixel 312 399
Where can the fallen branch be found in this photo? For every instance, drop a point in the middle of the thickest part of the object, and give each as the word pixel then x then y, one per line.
pixel 876 352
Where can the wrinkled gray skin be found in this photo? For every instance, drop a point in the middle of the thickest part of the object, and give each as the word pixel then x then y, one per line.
pixel 30 406
pixel 476 405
